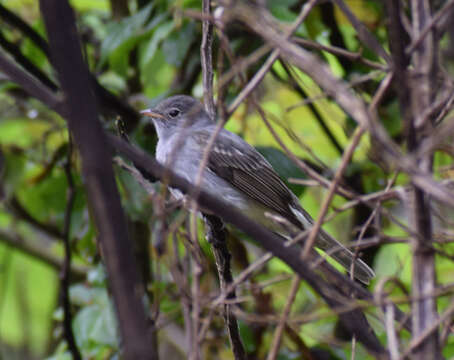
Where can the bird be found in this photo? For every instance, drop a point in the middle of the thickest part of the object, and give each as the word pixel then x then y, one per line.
pixel 237 173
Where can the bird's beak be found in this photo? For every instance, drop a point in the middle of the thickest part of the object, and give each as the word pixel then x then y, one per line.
pixel 152 114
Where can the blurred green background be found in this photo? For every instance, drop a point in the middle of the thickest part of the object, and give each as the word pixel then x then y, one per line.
pixel 143 51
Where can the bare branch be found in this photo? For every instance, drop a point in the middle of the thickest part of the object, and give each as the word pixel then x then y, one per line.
pixel 274 348
pixel 65 273
pixel 424 312
pixel 30 84
pixel 363 33
pixel 352 320
pixel 258 77
pixel 99 177
pixel 207 61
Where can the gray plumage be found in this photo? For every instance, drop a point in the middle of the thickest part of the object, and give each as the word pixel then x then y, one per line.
pixel 236 172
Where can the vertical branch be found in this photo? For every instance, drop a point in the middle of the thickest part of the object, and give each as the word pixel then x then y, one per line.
pixel 419 85
pixel 397 40
pixel 102 193
pixel 424 309
pixel 206 54
pixel 65 271
pixel 195 311
pixel 216 235
pixel 215 230
pixel 274 348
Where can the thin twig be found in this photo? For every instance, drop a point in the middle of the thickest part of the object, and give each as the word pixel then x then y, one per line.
pixel 195 313
pixel 429 26
pixel 37 250
pixel 65 271
pixel 274 348
pixel 354 320
pixel 363 32
pixel 207 60
pixel 353 56
pixel 216 235
pixel 30 84
pixel 258 77
pixel 429 331
pixel 326 202
pixel 22 213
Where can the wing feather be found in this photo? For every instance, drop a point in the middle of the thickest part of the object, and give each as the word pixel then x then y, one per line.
pixel 241 165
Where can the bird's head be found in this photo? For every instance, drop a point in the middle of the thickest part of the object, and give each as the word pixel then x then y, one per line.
pixel 180 111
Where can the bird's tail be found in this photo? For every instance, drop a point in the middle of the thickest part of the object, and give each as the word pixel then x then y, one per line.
pixel 336 250
pixel 343 256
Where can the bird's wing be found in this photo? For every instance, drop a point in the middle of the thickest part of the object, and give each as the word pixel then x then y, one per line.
pixel 241 165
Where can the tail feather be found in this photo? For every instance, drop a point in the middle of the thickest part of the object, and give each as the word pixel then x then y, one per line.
pixel 336 250
pixel 345 257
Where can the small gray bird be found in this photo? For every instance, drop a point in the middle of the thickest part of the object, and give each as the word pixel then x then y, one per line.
pixel 237 173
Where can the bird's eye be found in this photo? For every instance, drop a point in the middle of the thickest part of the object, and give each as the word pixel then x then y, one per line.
pixel 174 113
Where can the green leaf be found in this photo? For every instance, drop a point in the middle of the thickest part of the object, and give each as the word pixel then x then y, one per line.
pixel 156 83
pixel 13 171
pixel 135 198
pixel 97 276
pixel 22 131
pixel 280 9
pixel 247 335
pixel 84 5
pixel 391 119
pixel 158 36
pixel 392 260
pixel 285 167
pixel 46 200
pixel 95 324
pixel 123 35
pixel 177 44
pixel 61 356
pixel 81 294
pixel 36 284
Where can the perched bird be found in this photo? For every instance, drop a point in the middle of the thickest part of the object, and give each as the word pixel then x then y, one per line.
pixel 237 173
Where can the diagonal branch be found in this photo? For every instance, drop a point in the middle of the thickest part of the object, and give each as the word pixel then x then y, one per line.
pixel 332 293
pixel 30 84
pixel 107 100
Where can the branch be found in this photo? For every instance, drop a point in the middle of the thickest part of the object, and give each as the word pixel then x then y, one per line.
pixel 424 310
pixel 263 24
pixel 30 84
pixel 17 209
pixel 39 252
pixel 216 235
pixel 14 51
pixel 65 273
pixel 363 33
pixel 316 113
pixel 258 77
pixel 207 61
pixel 16 22
pixel 274 348
pixel 102 193
pixel 107 100
pixel 329 283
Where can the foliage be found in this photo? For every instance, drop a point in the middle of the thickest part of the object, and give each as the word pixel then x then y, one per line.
pixel 142 53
